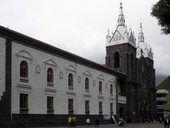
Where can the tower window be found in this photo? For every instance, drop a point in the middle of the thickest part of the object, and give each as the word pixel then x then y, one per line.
pixel 116 60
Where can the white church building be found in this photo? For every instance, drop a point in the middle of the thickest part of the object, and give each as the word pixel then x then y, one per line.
pixel 42 85
pixel 39 80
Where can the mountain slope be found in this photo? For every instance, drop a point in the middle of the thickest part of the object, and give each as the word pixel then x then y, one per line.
pixel 165 84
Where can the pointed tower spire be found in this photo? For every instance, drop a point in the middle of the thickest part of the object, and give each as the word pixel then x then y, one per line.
pixel 141 35
pixel 108 37
pixel 121 19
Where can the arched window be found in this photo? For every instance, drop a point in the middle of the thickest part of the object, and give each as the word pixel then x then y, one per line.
pixel 116 60
pixel 24 72
pixel 100 87
pixel 50 77
pixel 70 81
pixel 87 85
pixel 111 89
pixel 24 69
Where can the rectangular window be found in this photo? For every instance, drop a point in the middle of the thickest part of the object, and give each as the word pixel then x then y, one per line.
pixel 111 89
pixel 111 108
pixel 24 103
pixel 24 72
pixel 87 109
pixel 70 81
pixel 100 108
pixel 70 106
pixel 100 88
pixel 50 108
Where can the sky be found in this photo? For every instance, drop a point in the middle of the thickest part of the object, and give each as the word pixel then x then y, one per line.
pixel 80 26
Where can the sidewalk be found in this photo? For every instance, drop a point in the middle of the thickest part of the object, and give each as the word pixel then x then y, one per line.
pixel 133 125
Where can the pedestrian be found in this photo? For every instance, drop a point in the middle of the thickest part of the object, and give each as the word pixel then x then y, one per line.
pixel 88 121
pixel 74 121
pixel 69 121
pixel 166 121
pixel 97 123
pixel 160 119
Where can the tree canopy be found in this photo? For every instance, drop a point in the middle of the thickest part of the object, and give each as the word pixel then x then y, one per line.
pixel 161 10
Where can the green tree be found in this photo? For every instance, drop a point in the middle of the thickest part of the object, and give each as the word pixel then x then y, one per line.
pixel 161 10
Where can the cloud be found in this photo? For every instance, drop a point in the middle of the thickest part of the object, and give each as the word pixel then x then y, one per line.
pixel 80 26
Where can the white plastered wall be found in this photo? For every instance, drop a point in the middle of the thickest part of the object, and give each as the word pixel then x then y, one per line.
pixel 38 91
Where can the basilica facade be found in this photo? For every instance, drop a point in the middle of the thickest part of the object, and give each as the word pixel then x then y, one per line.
pixel 41 85
pixel 136 62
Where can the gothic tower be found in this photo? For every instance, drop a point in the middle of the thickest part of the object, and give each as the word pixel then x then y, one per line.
pixel 145 79
pixel 121 56
pixel 136 95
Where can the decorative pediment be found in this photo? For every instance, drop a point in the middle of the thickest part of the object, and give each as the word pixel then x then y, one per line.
pixel 87 73
pixel 24 53
pixel 71 68
pixel 116 36
pixel 100 77
pixel 50 62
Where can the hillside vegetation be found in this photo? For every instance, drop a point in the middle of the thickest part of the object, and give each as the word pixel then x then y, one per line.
pixel 165 84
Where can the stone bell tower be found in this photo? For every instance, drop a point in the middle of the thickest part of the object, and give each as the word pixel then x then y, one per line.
pixel 121 57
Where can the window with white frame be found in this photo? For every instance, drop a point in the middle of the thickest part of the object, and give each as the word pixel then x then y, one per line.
pixel 50 77
pixel 100 108
pixel 111 108
pixel 24 72
pixel 50 104
pixel 70 106
pixel 111 89
pixel 86 84
pixel 70 81
pixel 100 87
pixel 87 107
pixel 23 98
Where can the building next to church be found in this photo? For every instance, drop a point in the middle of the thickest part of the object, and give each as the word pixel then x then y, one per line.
pixel 41 85
pixel 136 62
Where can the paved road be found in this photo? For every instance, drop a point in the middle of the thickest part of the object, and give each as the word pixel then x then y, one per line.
pixel 134 125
